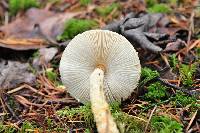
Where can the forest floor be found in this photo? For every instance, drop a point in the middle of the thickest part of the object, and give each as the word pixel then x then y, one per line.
pixel 33 35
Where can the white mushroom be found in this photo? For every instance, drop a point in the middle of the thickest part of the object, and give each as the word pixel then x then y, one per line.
pixel 99 62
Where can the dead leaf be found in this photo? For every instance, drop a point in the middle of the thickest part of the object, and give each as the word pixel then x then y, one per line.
pixel 14 73
pixel 22 100
pixel 45 55
pixel 22 44
pixel 51 25
pixel 174 46
pixel 168 74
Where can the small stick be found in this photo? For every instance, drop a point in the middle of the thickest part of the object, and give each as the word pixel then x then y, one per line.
pixel 150 118
pixel 12 112
pixel 191 121
pixel 191 28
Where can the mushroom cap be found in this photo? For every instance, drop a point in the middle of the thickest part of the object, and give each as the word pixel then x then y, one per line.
pixel 94 48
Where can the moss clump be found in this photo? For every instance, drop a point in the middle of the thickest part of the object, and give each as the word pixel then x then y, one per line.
pixel 106 10
pixel 74 27
pixel 147 74
pixel 36 54
pixel 26 127
pixel 182 100
pixel 126 123
pixel 156 91
pixel 85 2
pixel 159 8
pixel 150 3
pixel 51 75
pixel 173 61
pixel 163 124
pixel 84 112
pixel 7 129
pixel 21 5
pixel 187 73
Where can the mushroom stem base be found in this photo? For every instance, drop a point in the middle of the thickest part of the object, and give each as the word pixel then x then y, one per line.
pixel 100 108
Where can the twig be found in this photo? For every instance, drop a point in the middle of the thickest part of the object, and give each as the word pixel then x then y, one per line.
pixel 150 118
pixel 191 121
pixel 138 118
pixel 26 86
pixel 3 105
pixel 11 111
pixel 159 103
pixel 16 89
pixel 164 42
pixel 191 28
pixel 163 56
pixel 165 82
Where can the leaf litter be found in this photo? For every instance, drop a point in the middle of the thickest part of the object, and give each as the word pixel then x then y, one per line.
pixel 31 89
pixel 22 34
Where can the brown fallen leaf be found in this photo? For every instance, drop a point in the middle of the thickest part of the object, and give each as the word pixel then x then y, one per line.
pixel 14 73
pixel 174 46
pixel 23 44
pixel 45 56
pixel 51 24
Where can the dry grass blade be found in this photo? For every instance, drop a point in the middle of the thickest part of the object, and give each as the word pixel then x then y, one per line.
pixel 150 118
pixel 191 121
pixel 26 102
pixel 28 87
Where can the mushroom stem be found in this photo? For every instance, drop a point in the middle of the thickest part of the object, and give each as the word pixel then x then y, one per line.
pixel 100 108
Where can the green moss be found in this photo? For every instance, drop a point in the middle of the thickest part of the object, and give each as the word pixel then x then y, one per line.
pixel 26 127
pixel 147 74
pixel 163 124
pixel 150 3
pixel 85 2
pixel 54 126
pixel 51 75
pixel 76 26
pixel 187 73
pixel 126 123
pixel 156 91
pixel 115 107
pixel 87 130
pixel 106 10
pixel 84 112
pixel 36 54
pixel 183 100
pixel 160 8
pixel 7 129
pixel 173 61
pixel 21 5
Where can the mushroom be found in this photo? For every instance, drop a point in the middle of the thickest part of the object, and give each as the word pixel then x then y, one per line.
pixel 100 66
